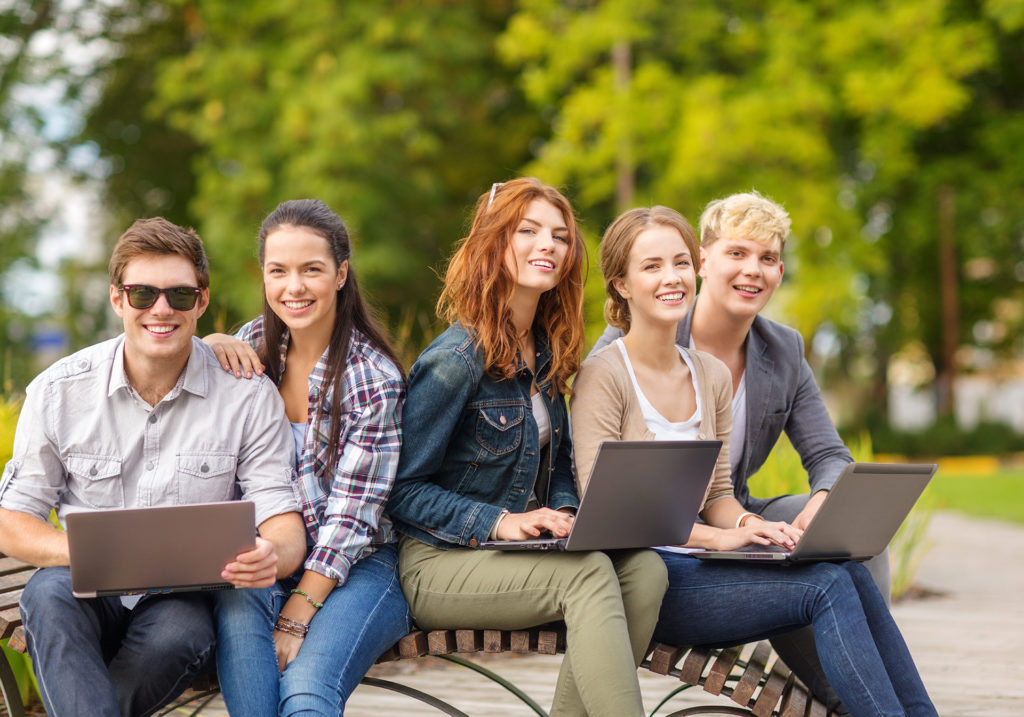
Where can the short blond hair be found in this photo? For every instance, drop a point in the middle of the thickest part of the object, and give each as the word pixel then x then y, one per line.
pixel 750 214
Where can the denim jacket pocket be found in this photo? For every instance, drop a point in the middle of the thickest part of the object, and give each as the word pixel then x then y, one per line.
pixel 205 477
pixel 499 429
pixel 96 480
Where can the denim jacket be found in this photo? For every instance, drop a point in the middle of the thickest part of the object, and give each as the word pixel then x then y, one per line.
pixel 470 445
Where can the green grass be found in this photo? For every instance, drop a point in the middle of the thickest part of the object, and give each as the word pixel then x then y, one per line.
pixel 998 495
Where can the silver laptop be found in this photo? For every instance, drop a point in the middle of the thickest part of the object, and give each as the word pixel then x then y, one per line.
pixel 157 550
pixel 858 519
pixel 640 493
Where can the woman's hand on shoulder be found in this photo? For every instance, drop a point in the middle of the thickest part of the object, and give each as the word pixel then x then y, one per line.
pixel 235 355
pixel 523 526
pixel 756 531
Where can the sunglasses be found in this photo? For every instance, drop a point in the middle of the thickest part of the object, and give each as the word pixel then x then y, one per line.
pixel 143 296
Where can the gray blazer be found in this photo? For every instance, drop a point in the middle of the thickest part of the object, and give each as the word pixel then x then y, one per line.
pixel 782 395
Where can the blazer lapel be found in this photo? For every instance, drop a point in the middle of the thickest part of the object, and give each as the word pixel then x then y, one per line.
pixel 759 374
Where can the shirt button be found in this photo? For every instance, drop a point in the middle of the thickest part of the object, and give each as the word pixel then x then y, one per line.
pixel 502 420
pixel 152 419
pixel 150 466
pixel 204 468
pixel 93 471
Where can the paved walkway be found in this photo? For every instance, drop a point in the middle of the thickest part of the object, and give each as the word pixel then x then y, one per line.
pixel 964 640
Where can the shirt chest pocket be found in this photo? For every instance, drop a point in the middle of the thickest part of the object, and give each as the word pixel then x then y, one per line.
pixel 205 477
pixel 499 429
pixel 96 480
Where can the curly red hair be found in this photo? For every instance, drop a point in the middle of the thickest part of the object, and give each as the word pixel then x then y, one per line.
pixel 478 286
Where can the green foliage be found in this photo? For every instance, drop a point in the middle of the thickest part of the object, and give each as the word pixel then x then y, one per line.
pixel 999 495
pixel 9 410
pixel 21 666
pixel 908 547
pixel 783 474
pixel 856 116
pixel 397 119
pixel 946 438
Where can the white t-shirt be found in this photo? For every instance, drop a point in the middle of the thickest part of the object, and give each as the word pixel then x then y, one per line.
pixel 738 434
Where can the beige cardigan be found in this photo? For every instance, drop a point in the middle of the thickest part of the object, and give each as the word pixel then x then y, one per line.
pixel 604 407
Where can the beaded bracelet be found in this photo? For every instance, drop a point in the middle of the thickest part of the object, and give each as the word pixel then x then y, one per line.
pixel 291 627
pixel 309 599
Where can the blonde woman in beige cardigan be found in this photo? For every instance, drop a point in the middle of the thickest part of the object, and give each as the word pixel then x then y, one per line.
pixel 646 387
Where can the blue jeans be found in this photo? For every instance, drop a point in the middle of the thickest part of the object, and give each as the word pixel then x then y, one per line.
pixel 859 645
pixel 359 621
pixel 95 657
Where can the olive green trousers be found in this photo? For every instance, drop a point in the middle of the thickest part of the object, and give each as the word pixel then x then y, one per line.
pixel 609 602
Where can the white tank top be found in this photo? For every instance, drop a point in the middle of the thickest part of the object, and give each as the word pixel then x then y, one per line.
pixel 662 428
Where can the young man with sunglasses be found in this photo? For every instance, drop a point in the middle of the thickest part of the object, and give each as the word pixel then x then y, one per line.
pixel 115 426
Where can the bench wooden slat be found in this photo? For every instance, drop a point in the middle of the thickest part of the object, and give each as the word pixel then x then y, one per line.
pixel 721 670
pixel 15 581
pixel 10 599
pixel 413 645
pixel 441 642
pixel 693 665
pixel 496 641
pixel 9 620
pixel 17 641
pixel 469 640
pixel 523 640
pixel 12 565
pixel 389 655
pixel 664 658
pixel 549 642
pixel 794 701
pixel 752 675
pixel 778 680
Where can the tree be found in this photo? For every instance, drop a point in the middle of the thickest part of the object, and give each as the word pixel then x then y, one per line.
pixel 398 118
pixel 830 108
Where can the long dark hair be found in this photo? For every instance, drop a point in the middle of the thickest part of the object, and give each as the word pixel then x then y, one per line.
pixel 352 311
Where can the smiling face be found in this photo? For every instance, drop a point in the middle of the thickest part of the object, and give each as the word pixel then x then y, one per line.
pixel 537 251
pixel 660 279
pixel 740 275
pixel 158 334
pixel 301 279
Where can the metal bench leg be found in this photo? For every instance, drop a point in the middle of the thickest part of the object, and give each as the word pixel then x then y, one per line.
pixel 498 679
pixel 434 702
pixel 9 687
pixel 711 710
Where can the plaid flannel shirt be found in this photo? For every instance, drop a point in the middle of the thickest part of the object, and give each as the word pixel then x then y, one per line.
pixel 343 508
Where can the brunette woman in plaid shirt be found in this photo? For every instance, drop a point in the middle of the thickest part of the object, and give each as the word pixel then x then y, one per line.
pixel 304 644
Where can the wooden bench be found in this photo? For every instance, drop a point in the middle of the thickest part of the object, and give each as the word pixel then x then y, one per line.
pixel 757 682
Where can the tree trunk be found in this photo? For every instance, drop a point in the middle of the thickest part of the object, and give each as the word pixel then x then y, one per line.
pixel 949 295
pixel 625 181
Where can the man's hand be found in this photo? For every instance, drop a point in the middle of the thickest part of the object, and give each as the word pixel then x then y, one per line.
pixel 803 518
pixel 522 526
pixel 256 568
